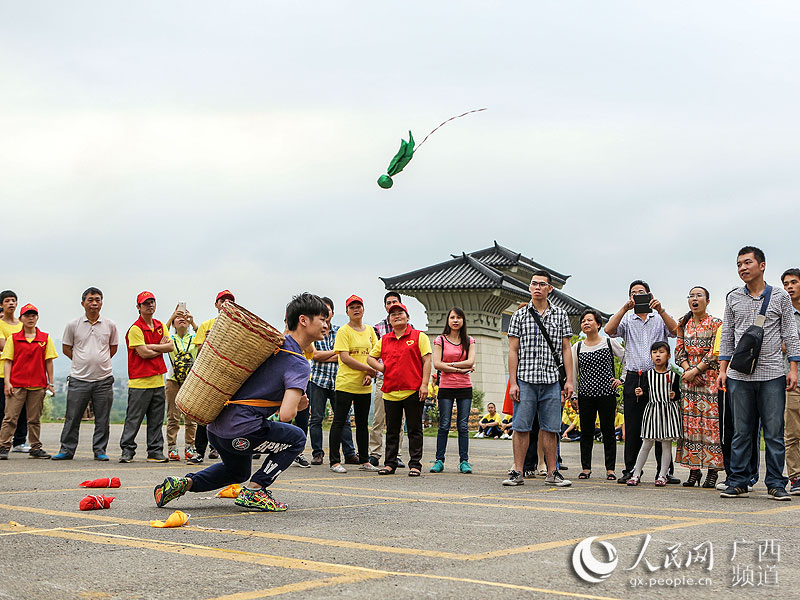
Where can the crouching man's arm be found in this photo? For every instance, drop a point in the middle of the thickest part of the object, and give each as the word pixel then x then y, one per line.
pixel 294 400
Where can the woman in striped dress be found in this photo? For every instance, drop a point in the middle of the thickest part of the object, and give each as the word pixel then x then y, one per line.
pixel 661 419
pixel 700 447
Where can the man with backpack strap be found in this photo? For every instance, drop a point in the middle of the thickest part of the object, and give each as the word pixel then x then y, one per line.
pixel 180 362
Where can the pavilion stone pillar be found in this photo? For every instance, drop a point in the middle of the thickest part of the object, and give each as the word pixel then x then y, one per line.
pixel 483 310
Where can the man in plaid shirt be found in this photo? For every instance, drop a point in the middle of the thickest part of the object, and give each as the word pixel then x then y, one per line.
pixel 533 377
pixel 761 393
pixel 321 390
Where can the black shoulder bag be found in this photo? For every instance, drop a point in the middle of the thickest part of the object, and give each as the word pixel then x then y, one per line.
pixel 745 357
pixel 562 370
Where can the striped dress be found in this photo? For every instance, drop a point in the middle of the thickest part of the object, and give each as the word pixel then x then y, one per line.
pixel 661 419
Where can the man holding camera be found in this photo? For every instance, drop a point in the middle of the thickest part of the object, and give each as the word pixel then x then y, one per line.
pixel 640 329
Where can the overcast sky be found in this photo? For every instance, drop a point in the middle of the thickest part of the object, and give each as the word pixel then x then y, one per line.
pixel 186 147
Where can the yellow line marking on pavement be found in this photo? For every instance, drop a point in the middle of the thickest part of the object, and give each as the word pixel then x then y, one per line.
pixel 73 515
pixel 613 505
pixel 26 530
pixel 329 507
pixel 611 536
pixel 300 586
pixel 773 511
pixel 277 561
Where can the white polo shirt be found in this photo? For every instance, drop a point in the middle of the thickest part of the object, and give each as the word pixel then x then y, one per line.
pixel 91 354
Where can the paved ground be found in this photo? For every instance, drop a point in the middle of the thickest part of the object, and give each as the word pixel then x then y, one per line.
pixel 441 536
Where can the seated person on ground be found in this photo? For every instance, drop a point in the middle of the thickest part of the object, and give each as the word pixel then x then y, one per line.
pixel 570 422
pixel 506 426
pixel 490 423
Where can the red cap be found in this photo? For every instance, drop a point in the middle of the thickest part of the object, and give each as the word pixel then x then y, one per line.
pixel 400 306
pixel 28 308
pixel 352 299
pixel 144 296
pixel 225 294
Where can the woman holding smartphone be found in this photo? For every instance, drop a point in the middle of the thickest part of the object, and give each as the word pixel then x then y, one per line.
pixel 454 358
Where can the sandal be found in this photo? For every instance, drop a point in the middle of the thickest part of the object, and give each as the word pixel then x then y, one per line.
pixel 414 473
pixel 611 477
pixel 386 471
pixel 583 475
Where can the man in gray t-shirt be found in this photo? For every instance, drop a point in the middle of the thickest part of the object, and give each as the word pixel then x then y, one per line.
pixel 89 341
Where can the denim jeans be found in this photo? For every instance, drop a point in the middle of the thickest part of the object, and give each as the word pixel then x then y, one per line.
pixel 751 400
pixel 726 437
pixel 462 424
pixel 318 398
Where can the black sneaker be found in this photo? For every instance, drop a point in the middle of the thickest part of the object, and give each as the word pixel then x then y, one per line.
pixel 214 455
pixel 779 494
pixel 624 479
pixel 735 492
pixel 317 459
pixel 3 453
pixel 159 458
pixel 400 463
pixel 673 480
pixel 514 478
pixel 195 460
pixel 373 460
pixel 528 474
pixel 301 461
pixel 38 453
pixel 562 468
pixel 126 458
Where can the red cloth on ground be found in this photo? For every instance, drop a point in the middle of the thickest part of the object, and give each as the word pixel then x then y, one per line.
pixel 103 482
pixel 96 502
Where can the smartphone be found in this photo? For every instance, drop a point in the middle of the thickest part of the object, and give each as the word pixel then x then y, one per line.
pixel 182 307
pixel 641 303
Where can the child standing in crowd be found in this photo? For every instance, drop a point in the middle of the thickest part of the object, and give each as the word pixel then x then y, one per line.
pixel 28 362
pixel 405 355
pixel 454 358
pixel 353 384
pixel 661 418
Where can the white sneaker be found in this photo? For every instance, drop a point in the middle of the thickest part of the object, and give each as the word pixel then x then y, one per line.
pixel 480 434
pixel 557 480
pixel 338 469
pixel 722 486
pixel 25 447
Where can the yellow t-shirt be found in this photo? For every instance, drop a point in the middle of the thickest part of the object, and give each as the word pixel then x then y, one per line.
pixel 202 331
pixel 136 338
pixel 570 416
pixel 497 418
pixel 6 331
pixel 358 344
pixel 8 353
pixel 717 342
pixel 424 346
pixel 619 420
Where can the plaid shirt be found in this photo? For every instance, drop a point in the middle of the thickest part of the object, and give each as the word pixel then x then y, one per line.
pixel 323 374
pixel 639 335
pixel 741 310
pixel 536 362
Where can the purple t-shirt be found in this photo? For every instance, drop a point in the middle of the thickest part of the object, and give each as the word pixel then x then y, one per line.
pixel 268 382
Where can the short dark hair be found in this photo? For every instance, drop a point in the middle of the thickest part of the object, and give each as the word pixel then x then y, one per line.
pixel 7 294
pixel 793 272
pixel 91 291
pixel 388 295
pixel 659 345
pixel 306 304
pixel 594 313
pixel 491 404
pixel 327 301
pixel 757 252
pixel 543 273
pixel 636 282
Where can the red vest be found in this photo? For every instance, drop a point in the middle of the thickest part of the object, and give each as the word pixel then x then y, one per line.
pixel 402 361
pixel 27 369
pixel 139 367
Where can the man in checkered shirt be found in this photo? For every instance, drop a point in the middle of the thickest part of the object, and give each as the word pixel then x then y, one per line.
pixel 533 374
pixel 763 392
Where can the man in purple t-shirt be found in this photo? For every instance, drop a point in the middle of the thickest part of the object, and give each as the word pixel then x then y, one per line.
pixel 243 427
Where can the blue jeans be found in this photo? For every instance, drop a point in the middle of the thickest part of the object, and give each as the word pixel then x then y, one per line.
pixel 751 400
pixel 318 398
pixel 462 424
pixel 279 443
pixel 538 399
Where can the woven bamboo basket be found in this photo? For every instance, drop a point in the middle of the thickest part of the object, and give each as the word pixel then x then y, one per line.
pixel 237 344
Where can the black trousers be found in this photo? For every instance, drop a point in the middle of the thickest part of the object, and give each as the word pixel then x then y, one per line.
pixel 394 410
pixel 634 410
pixel 201 442
pixel 590 407
pixel 341 412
